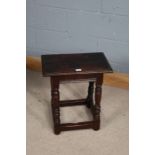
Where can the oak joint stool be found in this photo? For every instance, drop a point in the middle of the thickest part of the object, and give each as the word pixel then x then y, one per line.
pixel 69 67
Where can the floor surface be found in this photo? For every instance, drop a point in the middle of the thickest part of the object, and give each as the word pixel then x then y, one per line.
pixel 111 139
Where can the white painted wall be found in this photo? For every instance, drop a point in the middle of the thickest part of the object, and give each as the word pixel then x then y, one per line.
pixel 70 26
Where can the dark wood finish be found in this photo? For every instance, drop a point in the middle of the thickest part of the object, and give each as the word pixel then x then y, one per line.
pixel 75 126
pixel 91 67
pixel 63 64
pixel 55 104
pixel 89 101
pixel 98 92
pixel 72 102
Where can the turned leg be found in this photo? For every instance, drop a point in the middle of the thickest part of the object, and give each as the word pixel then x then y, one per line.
pixel 89 100
pixel 98 93
pixel 55 105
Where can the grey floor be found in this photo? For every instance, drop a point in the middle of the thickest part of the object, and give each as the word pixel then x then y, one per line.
pixel 111 139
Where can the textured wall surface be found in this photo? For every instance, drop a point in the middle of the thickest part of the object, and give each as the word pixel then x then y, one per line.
pixel 71 26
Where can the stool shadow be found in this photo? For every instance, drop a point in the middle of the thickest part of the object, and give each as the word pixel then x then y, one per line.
pixel 49 116
pixel 45 107
pixel 115 115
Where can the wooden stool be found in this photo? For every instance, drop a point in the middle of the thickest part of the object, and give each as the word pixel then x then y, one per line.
pixel 66 67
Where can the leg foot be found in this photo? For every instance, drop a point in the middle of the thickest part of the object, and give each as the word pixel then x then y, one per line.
pixel 57 131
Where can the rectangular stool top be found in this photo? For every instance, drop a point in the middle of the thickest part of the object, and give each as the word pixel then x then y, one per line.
pixel 80 63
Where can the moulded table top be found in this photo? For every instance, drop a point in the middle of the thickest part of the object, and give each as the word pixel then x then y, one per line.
pixel 80 63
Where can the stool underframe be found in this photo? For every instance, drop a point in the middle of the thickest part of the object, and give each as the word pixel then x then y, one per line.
pixel 93 78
